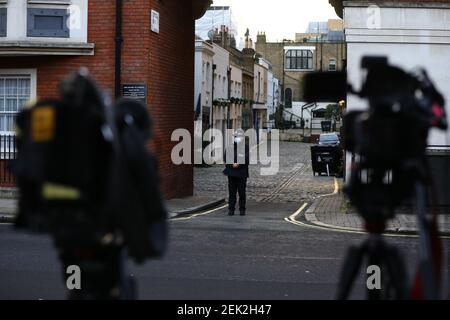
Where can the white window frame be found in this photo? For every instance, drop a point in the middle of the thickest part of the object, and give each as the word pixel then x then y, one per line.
pixel 32 73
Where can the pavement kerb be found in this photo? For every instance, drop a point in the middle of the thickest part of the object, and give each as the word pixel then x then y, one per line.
pixel 8 218
pixel 309 217
pixel 196 209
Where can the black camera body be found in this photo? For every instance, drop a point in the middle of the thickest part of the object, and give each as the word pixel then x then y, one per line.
pixel 395 127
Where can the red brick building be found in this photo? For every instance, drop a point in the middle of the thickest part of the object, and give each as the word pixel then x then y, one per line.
pixel 37 50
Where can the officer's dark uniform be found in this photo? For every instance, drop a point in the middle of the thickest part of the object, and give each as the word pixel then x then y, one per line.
pixel 237 177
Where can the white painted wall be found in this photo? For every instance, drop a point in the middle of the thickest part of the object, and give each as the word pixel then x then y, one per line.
pixel 222 61
pixel 307 113
pixel 236 78
pixel 270 92
pixel 17 21
pixel 276 92
pixel 203 73
pixel 259 86
pixel 198 78
pixel 273 92
pixel 410 37
pixel 202 81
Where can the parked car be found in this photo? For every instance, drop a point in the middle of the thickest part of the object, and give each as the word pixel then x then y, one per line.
pixel 329 139
pixel 327 155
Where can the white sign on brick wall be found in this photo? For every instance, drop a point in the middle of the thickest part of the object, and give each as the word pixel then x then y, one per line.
pixel 155 21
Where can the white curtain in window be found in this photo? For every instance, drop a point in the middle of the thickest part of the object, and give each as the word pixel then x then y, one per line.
pixel 14 93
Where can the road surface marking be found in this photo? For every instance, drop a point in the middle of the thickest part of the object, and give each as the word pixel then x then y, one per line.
pixel 335 191
pixel 296 213
pixel 292 219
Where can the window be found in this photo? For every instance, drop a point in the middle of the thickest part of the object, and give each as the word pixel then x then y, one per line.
pixel 332 65
pixel 288 98
pixel 203 72
pixel 15 91
pixel 49 1
pixel 208 75
pixel 299 59
pixel 48 23
pixel 3 18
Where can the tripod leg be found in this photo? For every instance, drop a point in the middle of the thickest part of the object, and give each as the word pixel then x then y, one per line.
pixel 396 273
pixel 349 271
pixel 426 267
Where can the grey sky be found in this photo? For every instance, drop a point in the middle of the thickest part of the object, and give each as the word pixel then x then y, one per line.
pixel 280 19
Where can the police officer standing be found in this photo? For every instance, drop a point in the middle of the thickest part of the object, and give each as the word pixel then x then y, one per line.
pixel 236 168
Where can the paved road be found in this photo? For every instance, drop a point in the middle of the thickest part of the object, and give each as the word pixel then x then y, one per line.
pixel 214 256
pixel 294 181
pixel 259 256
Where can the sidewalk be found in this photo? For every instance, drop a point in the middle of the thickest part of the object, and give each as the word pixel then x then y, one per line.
pixel 176 207
pixel 336 213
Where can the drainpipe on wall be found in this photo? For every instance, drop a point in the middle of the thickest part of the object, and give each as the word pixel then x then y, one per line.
pixel 229 97
pixel 118 53
pixel 214 66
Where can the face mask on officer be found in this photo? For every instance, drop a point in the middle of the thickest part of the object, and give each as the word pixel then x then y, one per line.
pixel 237 139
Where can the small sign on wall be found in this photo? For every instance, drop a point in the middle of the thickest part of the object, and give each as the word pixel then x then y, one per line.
pixel 136 91
pixel 154 17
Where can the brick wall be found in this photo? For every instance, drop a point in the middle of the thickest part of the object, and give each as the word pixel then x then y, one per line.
pixel 164 61
pixel 171 87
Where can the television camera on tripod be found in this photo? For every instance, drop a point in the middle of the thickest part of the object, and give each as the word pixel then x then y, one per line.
pixel 390 138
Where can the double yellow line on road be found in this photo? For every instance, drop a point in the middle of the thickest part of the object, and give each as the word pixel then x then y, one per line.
pixel 293 219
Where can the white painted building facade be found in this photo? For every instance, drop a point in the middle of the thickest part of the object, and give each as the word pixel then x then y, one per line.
pixel 273 98
pixel 37 27
pixel 410 35
pixel 269 95
pixel 260 89
pixel 221 61
pixel 203 85
pixel 235 115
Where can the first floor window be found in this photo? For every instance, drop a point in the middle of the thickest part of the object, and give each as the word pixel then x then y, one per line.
pixel 48 23
pixel 15 91
pixel 299 60
pixel 288 98
pixel 3 18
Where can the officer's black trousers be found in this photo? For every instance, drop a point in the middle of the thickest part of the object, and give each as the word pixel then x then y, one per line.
pixel 237 185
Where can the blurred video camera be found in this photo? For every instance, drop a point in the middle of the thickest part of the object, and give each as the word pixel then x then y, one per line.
pixel 84 171
pixel 390 137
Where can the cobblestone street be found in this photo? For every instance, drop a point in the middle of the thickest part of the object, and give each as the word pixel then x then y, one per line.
pixel 294 181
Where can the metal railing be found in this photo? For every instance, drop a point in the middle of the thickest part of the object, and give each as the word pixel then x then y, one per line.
pixel 8 152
